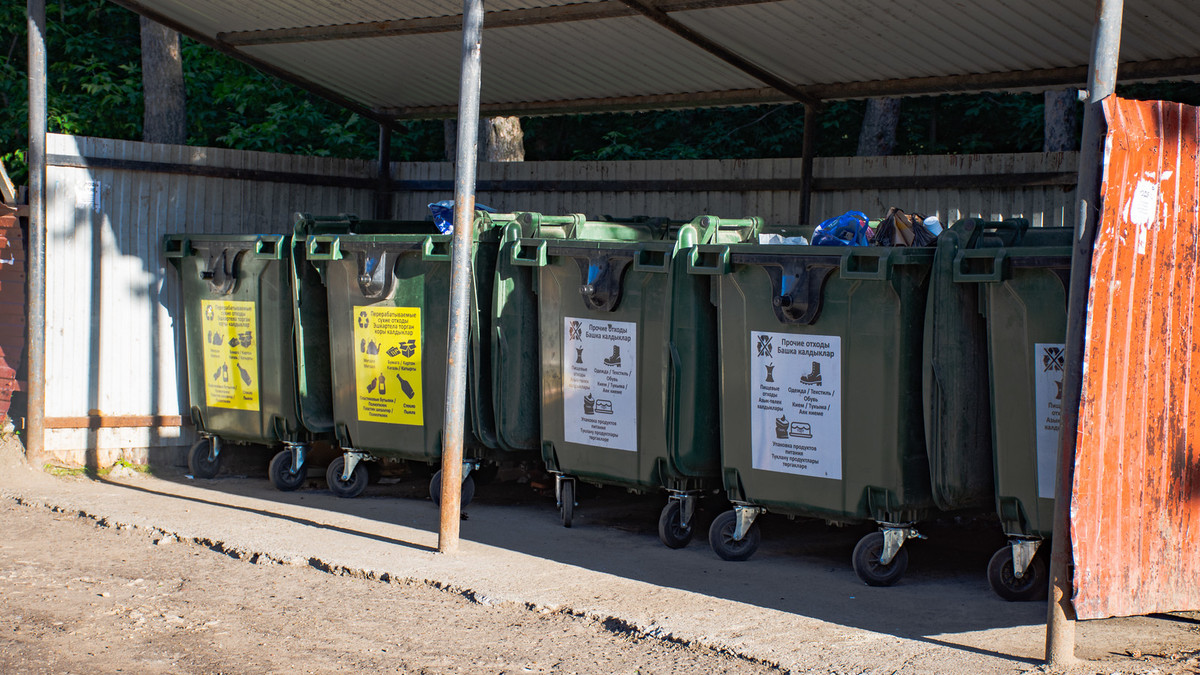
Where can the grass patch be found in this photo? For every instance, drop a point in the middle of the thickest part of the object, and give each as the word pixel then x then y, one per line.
pixel 140 468
pixel 62 471
pixel 76 471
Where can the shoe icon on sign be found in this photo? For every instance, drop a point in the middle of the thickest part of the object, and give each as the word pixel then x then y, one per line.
pixel 615 359
pixel 814 377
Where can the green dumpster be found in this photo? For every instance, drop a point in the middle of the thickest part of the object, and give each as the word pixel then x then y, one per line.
pixel 388 300
pixel 1016 276
pixel 628 345
pixel 253 377
pixel 820 380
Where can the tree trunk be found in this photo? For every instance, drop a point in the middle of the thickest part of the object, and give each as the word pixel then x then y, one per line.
pixel 162 85
pixel 505 140
pixel 1060 121
pixel 500 140
pixel 878 134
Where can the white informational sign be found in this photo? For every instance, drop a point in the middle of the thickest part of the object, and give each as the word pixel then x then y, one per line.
pixel 87 195
pixel 796 403
pixel 1047 382
pixel 600 383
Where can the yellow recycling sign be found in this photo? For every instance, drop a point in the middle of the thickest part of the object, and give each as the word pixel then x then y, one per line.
pixel 230 354
pixel 387 364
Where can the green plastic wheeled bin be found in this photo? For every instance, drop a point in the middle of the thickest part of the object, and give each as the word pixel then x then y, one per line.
pixel 820 381
pixel 254 376
pixel 388 324
pixel 628 346
pixel 1016 276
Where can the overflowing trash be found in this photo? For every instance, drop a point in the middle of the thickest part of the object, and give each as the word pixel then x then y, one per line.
pixel 896 228
pixel 848 229
pixel 443 214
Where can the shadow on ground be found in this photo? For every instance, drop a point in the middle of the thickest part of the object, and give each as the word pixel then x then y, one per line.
pixel 803 566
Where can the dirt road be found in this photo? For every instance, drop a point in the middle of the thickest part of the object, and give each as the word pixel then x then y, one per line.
pixel 165 574
pixel 83 598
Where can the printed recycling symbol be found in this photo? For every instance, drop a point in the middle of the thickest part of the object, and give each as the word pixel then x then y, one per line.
pixel 363 320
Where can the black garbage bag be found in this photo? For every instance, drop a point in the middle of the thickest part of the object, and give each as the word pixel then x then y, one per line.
pixel 903 229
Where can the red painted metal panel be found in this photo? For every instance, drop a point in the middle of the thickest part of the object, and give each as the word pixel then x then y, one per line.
pixel 12 304
pixel 1135 518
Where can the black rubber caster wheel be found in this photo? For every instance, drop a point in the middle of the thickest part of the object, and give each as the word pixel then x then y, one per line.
pixel 346 489
pixel 1033 585
pixel 567 508
pixel 465 497
pixel 671 531
pixel 280 471
pixel 201 463
pixel 720 538
pixel 867 565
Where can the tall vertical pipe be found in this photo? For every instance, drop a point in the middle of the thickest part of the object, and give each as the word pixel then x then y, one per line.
pixel 460 275
pixel 1102 80
pixel 35 348
pixel 383 193
pixel 812 113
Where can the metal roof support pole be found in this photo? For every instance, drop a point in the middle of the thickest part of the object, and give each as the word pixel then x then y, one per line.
pixel 812 113
pixel 35 375
pixel 1102 78
pixel 383 193
pixel 460 276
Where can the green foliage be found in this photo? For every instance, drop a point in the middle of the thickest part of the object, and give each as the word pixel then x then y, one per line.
pixel 94 88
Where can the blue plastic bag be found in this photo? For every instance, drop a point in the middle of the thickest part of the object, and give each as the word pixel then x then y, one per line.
pixel 848 229
pixel 443 214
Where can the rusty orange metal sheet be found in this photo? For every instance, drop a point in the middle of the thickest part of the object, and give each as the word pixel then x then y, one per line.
pixel 1135 517
pixel 12 303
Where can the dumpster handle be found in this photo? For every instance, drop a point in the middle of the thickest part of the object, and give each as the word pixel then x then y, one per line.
pixel 427 248
pixel 269 246
pixel 718 267
pixel 994 271
pixel 176 246
pixel 650 260
pixel 522 258
pixel 324 247
pixel 882 269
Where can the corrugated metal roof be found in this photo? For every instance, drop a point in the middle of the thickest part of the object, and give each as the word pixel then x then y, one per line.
pixel 1136 504
pixel 402 58
pixel 226 16
pixel 582 65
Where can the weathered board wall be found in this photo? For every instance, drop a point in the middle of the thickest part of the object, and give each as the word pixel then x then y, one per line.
pixel 113 380
pixel 1041 187
pixel 112 376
